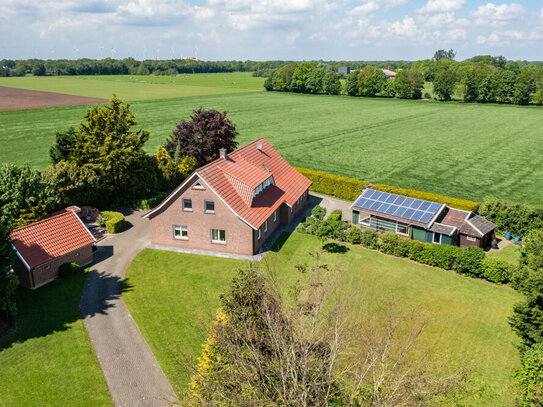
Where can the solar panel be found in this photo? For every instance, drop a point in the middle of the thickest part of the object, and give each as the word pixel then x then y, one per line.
pixel 396 205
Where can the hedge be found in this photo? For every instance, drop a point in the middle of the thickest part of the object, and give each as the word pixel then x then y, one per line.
pixel 518 219
pixel 350 189
pixel 334 185
pixel 68 270
pixel 427 196
pixel 115 222
pixel 149 203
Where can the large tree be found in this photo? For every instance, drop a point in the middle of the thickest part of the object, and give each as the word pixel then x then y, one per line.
pixel 331 83
pixel 203 136
pixel 442 54
pixel 408 84
pixel 445 81
pixel 300 76
pixel 304 347
pixel 63 146
pixel 314 82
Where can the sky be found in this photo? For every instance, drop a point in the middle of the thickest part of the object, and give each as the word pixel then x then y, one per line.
pixel 266 30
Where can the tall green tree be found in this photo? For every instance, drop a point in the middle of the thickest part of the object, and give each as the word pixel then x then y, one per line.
pixel 283 77
pixel 370 81
pixel 108 145
pixel 408 84
pixel 314 82
pixel 445 81
pixel 524 88
pixel 442 54
pixel 63 145
pixel 300 76
pixel 331 83
pixel 351 84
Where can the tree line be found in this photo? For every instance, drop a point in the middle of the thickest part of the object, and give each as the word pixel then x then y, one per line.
pixel 102 163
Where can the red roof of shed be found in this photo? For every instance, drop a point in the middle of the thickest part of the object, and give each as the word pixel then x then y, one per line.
pixel 49 238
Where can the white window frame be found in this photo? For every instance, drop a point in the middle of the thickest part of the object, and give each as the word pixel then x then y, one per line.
pixel 47 267
pixel 259 235
pixel 182 230
pixel 183 204
pixel 275 215
pixel 406 227
pixel 197 185
pixel 218 240
pixel 76 254
pixel 265 226
pixel 434 238
pixel 471 238
pixel 205 206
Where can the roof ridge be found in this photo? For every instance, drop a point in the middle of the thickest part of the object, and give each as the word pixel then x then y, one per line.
pixel 43 220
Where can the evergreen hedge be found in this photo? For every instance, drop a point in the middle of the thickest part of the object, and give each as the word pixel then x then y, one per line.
pixel 350 189
pixel 115 222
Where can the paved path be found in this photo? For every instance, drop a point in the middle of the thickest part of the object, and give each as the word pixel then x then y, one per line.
pixel 132 373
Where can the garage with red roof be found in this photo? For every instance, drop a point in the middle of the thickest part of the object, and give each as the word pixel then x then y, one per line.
pixel 42 247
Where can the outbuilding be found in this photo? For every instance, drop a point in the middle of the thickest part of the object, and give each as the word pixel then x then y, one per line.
pixel 426 221
pixel 42 247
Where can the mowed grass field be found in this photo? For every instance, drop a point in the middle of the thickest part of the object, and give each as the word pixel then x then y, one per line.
pixel 49 360
pixel 173 296
pixel 462 150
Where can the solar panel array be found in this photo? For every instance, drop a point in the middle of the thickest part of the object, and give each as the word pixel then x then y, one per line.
pixel 397 205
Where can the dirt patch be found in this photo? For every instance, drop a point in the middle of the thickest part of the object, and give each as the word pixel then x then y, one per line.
pixel 19 99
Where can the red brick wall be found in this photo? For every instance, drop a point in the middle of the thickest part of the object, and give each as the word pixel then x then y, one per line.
pixel 42 273
pixel 464 242
pixel 238 233
pixel 265 235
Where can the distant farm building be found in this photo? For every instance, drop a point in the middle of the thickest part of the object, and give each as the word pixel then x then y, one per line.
pixel 389 73
pixel 344 70
pixel 426 221
pixel 42 247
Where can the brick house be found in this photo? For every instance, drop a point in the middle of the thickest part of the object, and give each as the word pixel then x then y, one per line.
pixel 42 247
pixel 231 205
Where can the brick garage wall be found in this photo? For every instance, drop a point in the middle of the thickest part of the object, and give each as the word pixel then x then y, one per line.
pixel 265 235
pixel 43 274
pixel 239 235
pixel 464 242
pixel 287 214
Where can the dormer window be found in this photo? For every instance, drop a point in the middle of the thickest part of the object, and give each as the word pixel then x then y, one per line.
pixel 262 187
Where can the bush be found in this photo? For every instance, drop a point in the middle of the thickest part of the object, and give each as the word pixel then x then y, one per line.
pixel 149 203
pixel 369 239
pixel 515 218
pixel 391 243
pixel 68 270
pixel 335 215
pixel 469 261
pixel 414 250
pixel 310 225
pixel 495 270
pixel 354 235
pixel 427 95
pixel 115 222
pixel 331 229
pixel 427 196
pixel 529 377
pixel 444 256
pixel 319 212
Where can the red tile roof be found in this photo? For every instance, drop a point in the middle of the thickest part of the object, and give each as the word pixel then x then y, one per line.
pixel 234 178
pixel 455 218
pixel 52 237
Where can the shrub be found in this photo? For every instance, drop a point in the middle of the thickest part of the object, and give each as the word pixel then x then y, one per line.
pixel 331 229
pixel 115 222
pixel 414 250
pixel 529 377
pixel 335 215
pixel 391 243
pixel 427 95
pixel 515 218
pixel 68 270
pixel 318 212
pixel 427 196
pixel 369 239
pixel 495 270
pixel 354 235
pixel 444 256
pixel 469 261
pixel 149 203
pixel 310 225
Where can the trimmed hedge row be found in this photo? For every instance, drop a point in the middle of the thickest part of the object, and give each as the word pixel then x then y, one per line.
pixel 149 203
pixel 350 189
pixel 115 222
pixel 428 196
pixel 334 185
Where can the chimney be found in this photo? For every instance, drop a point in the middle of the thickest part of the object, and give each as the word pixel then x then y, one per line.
pixel 222 153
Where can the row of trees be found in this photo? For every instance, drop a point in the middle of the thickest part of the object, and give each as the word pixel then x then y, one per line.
pixel 103 163
pixel 304 78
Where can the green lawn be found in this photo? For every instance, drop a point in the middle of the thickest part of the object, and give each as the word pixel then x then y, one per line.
pixel 174 295
pixel 463 150
pixel 49 361
pixel 510 254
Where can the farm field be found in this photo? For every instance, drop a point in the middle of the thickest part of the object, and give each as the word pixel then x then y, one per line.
pixel 50 361
pixel 174 295
pixel 467 151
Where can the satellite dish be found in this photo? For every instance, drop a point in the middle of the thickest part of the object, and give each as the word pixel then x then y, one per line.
pixel 259 145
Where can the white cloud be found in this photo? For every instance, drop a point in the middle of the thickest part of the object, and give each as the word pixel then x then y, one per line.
pixel 495 15
pixel 441 6
pixel 404 28
pixel 366 8
pixel 456 34
pixel 388 4
pixel 440 19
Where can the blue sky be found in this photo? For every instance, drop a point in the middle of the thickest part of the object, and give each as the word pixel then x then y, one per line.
pixel 263 30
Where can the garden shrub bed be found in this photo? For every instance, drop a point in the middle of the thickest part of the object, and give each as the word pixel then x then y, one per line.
pixel 114 221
